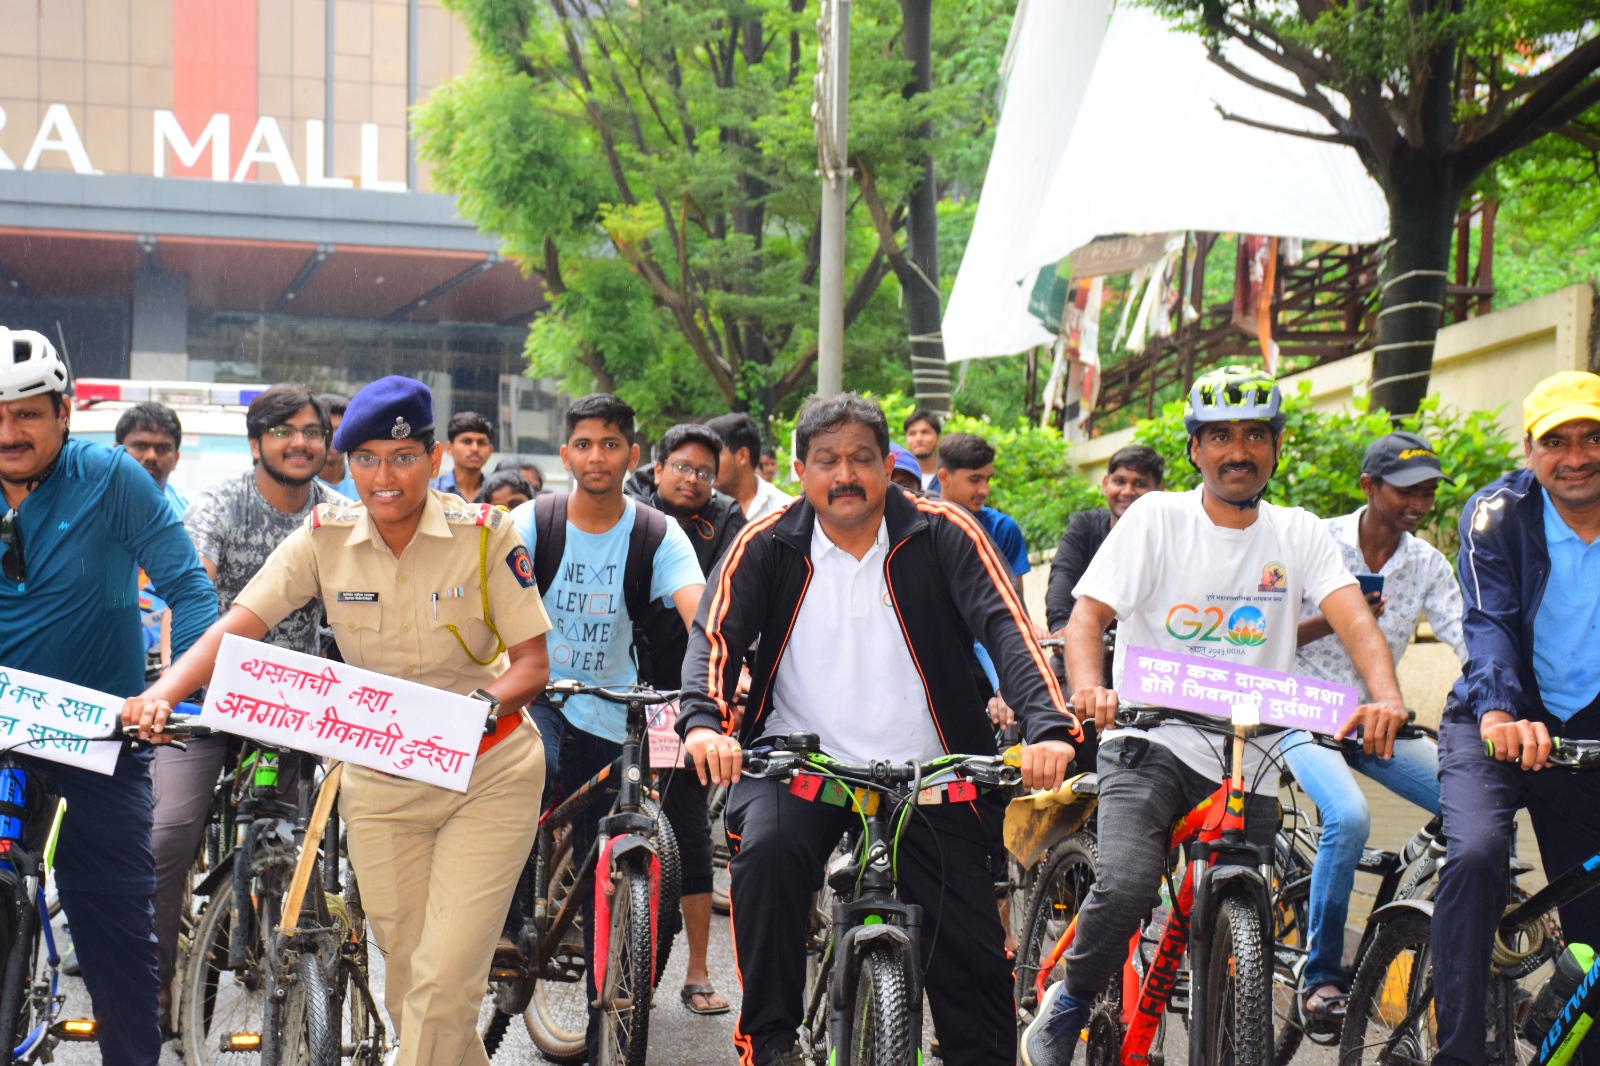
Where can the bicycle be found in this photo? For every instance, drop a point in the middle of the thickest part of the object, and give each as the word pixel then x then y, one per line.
pixel 1047 839
pixel 277 974
pixel 1219 913
pixel 1391 1017
pixel 864 995
pixel 1405 874
pixel 636 917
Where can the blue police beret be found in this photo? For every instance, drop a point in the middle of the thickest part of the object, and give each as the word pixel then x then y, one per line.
pixel 391 408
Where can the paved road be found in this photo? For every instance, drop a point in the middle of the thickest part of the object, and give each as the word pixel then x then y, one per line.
pixel 678 1038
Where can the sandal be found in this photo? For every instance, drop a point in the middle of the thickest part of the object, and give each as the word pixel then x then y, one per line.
pixel 688 993
pixel 1322 1009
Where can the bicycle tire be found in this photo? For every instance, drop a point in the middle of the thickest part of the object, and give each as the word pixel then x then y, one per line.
pixel 1291 916
pixel 1239 987
pixel 216 1000
pixel 629 976
pixel 320 1014
pixel 1390 1018
pixel 18 1008
pixel 880 1029
pixel 495 1031
pixel 669 898
pixel 556 1017
pixel 1063 883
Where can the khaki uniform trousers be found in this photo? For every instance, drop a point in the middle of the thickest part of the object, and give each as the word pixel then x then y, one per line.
pixel 436 871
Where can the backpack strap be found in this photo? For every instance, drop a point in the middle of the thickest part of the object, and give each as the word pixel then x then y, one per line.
pixel 638 573
pixel 550 537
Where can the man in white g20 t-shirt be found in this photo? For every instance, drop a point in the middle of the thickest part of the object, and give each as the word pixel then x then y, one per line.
pixel 1212 572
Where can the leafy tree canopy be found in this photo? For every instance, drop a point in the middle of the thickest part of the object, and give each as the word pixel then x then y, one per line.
pixel 652 163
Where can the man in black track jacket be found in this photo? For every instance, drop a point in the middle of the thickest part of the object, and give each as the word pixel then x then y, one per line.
pixel 866 601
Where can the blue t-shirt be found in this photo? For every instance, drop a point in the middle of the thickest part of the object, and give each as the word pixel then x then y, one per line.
pixel 347 488
pixel 592 634
pixel 1007 536
pixel 1568 621
pixel 86 531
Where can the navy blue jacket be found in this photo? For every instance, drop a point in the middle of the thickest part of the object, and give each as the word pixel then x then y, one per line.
pixel 1503 566
pixel 86 530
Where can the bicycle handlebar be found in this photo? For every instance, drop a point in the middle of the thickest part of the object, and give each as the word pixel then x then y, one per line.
pixel 779 762
pixel 1570 754
pixel 567 688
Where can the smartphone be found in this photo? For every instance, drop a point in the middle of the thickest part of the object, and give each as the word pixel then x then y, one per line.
pixel 1370 583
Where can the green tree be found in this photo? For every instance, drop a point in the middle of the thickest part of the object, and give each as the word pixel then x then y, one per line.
pixel 1431 94
pixel 652 163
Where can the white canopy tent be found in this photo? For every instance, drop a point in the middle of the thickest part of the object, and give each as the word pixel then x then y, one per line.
pixel 1112 128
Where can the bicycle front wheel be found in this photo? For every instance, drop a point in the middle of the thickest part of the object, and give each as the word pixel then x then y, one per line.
pixel 1239 987
pixel 1391 1018
pixel 880 1021
pixel 319 1013
pixel 1062 886
pixel 630 970
pixel 223 1003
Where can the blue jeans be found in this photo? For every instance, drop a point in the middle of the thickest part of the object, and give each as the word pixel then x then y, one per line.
pixel 1324 774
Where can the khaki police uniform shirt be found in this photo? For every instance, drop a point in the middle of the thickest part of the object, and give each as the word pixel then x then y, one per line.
pixel 390 614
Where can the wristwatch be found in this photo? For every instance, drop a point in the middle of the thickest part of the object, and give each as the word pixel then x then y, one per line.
pixel 493 701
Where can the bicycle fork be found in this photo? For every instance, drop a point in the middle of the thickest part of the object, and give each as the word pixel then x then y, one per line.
pixel 874 917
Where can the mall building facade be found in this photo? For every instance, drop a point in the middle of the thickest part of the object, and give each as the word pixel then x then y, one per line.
pixel 228 191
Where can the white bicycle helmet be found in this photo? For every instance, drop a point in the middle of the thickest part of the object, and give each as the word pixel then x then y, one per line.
pixel 29 365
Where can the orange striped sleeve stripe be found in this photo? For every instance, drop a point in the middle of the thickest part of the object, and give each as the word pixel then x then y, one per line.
pixel 1001 576
pixel 721 602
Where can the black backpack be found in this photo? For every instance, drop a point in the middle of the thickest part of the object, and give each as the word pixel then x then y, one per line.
pixel 638 570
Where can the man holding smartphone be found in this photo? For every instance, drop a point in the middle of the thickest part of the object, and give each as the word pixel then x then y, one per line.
pixel 1401 577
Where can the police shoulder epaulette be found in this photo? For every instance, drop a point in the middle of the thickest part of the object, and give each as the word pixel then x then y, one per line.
pixel 326 514
pixel 476 514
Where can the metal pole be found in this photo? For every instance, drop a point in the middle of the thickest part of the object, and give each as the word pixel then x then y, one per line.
pixel 831 116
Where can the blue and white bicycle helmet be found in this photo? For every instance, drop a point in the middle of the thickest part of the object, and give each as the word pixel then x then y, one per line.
pixel 1234 394
pixel 29 366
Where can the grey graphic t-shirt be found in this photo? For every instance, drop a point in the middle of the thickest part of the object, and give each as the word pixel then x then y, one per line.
pixel 233 526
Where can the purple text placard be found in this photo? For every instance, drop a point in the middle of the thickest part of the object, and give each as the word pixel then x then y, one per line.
pixel 1243 695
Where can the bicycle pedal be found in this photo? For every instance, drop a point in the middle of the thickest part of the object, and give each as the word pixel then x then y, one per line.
pixel 80 1030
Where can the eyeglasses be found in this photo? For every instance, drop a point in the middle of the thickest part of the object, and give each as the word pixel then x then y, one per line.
pixel 402 463
pixel 313 434
pixel 11 537
pixel 705 477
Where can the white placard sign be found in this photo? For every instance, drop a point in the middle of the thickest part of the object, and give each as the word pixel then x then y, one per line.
pixel 48 718
pixel 291 700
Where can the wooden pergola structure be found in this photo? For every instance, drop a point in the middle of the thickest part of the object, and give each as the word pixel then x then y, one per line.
pixel 1323 310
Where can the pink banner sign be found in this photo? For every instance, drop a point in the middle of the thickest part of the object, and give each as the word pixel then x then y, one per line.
pixel 1243 695
pixel 306 703
pixel 666 748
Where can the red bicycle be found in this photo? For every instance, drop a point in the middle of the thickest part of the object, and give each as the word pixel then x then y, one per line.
pixel 1218 912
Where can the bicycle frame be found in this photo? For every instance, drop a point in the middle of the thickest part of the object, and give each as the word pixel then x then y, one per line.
pixel 1219 858
pixel 628 828
pixel 866 910
pixel 1574 1020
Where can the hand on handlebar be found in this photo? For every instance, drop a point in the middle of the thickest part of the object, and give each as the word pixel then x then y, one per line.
pixel 1091 702
pixel 147 716
pixel 1000 712
pixel 717 756
pixel 1378 722
pixel 1044 764
pixel 1515 740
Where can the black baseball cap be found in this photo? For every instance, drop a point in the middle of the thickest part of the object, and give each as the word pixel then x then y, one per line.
pixel 1403 460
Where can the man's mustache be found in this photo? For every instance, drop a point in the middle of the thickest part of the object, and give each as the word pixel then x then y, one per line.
pixel 846 490
pixel 1241 468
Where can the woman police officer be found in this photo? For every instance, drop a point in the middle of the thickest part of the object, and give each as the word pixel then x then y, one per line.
pixel 437 868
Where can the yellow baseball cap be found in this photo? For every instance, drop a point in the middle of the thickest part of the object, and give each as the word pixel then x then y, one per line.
pixel 1561 397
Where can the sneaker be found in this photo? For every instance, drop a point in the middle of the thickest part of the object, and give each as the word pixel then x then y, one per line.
pixel 1052 1037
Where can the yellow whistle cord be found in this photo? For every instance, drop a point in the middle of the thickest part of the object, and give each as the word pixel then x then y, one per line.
pixel 483 587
